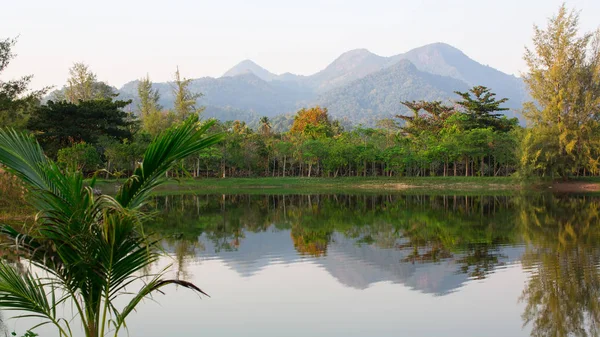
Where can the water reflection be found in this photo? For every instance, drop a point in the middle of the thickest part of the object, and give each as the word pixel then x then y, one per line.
pixel 563 293
pixel 393 232
pixel 384 265
pixel 432 244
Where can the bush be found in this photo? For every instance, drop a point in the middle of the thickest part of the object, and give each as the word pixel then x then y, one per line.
pixel 79 157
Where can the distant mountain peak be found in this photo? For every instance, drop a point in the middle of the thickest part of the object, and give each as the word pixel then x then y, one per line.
pixel 348 67
pixel 439 49
pixel 250 67
pixel 356 52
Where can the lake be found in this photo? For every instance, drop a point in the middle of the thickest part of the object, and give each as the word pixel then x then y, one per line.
pixel 375 265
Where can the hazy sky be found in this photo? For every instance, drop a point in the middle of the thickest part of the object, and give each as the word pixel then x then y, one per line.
pixel 124 40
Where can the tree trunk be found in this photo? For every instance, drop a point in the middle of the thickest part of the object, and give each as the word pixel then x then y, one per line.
pixel 284 162
pixel 482 164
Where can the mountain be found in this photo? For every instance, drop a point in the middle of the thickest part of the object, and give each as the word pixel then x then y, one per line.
pixel 379 94
pixel 249 67
pixel 445 60
pixel 244 94
pixel 358 86
pixel 348 67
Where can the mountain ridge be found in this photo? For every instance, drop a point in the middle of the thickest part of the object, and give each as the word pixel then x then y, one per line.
pixel 247 87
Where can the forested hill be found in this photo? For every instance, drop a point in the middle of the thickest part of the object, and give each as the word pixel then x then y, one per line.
pixel 359 86
pixel 377 95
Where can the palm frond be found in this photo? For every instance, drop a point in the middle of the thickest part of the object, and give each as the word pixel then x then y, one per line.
pixel 170 147
pixel 56 196
pixel 26 292
pixel 154 285
pixel 91 247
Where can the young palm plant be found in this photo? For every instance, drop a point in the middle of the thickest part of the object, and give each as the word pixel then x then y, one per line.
pixel 85 250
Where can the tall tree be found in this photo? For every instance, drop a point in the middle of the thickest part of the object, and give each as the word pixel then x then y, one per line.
pixel 148 98
pixel 481 105
pixel 265 126
pixel 15 97
pixel 564 81
pixel 83 85
pixel 436 113
pixel 185 100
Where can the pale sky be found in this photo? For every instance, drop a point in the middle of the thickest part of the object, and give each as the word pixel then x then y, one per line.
pixel 123 40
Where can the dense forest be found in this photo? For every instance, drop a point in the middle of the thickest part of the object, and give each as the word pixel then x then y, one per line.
pixel 86 126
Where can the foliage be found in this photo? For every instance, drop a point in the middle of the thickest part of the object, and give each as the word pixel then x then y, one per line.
pixel 15 98
pixel 87 250
pixel 482 108
pixel 564 82
pixel 61 124
pixel 185 100
pixel 148 98
pixel 312 122
pixel 27 334
pixel 82 85
pixel 79 157
pixel 12 193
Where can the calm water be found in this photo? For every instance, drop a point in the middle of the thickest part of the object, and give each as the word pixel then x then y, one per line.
pixel 376 265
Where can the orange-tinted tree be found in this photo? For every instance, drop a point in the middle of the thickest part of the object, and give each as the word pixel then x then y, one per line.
pixel 312 122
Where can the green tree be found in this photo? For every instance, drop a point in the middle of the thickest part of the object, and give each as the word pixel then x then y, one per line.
pixel 61 124
pixel 564 82
pixel 432 120
pixel 79 157
pixel 86 249
pixel 481 105
pixel 16 99
pixel 82 85
pixel 185 100
pixel 148 98
pixel 265 126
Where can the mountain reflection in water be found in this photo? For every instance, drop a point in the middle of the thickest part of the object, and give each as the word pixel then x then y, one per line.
pixel 431 244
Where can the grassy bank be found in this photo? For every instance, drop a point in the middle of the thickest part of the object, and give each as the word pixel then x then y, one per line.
pixel 494 185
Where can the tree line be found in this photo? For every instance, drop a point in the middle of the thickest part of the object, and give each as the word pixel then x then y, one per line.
pixel 86 127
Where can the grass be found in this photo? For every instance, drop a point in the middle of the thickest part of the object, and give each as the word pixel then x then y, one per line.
pixel 586 179
pixel 278 185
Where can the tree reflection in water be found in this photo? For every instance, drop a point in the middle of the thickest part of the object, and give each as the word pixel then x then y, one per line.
pixel 560 236
pixel 563 254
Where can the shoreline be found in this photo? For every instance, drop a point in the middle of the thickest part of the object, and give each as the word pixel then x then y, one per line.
pixel 437 185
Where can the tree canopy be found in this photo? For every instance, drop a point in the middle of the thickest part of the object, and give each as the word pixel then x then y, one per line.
pixel 61 124
pixel 15 97
pixel 564 82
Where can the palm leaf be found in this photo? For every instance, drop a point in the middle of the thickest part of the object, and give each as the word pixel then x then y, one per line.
pixel 92 247
pixel 154 285
pixel 170 147
pixel 24 292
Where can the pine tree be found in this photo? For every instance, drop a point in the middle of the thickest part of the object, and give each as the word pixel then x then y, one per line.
pixel 564 82
pixel 148 98
pixel 185 100
pixel 482 108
